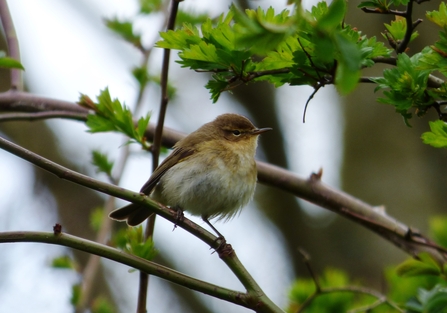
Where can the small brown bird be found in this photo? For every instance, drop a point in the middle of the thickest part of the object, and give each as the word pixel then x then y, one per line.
pixel 210 173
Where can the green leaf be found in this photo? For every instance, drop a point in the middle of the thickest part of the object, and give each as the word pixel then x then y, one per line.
pixel 190 17
pixel 149 6
pixel 302 289
pixel 102 305
pixel 180 39
pixel 261 31
pixel 348 69
pixel 76 291
pixel 143 122
pixel 437 137
pixel 438 228
pixel 102 162
pixel 7 62
pixel 111 115
pixel 141 75
pixel 132 241
pixel 426 265
pixel 433 301
pixel 96 218
pixel 216 87
pixel 64 262
pixel 407 85
pixel 334 16
pixel 125 30
pixel 439 17
pixel 398 28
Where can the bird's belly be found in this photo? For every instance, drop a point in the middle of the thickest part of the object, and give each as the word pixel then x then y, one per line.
pixel 207 189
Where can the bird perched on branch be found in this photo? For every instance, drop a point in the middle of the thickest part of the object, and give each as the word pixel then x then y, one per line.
pixel 210 173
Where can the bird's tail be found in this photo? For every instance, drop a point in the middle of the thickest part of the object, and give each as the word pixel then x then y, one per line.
pixel 133 213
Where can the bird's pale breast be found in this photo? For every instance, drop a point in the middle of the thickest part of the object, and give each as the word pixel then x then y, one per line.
pixel 210 184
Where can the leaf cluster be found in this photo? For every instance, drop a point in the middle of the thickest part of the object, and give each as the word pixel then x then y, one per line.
pixel 132 241
pixel 110 115
pixel 299 48
pixel 416 285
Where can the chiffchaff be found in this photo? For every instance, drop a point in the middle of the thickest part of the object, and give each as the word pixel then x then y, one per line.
pixel 210 173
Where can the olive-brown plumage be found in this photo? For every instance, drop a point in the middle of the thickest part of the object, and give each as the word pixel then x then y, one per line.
pixel 210 173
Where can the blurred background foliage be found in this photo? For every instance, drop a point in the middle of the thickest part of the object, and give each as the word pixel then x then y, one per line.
pixel 383 163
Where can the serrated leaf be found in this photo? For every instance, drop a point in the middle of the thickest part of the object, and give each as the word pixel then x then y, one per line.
pixel 132 241
pixel 125 30
pixel 98 124
pixel 437 137
pixel 216 87
pixel 334 16
pixel 433 301
pixel 180 39
pixel 261 31
pixel 398 29
pixel 102 162
pixel 439 17
pixel 190 17
pixel 111 115
pixel 143 122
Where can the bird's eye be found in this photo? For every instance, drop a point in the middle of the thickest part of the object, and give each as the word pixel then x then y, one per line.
pixel 236 132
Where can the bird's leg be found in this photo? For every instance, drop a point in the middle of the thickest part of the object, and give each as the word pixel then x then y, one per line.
pixel 179 217
pixel 220 238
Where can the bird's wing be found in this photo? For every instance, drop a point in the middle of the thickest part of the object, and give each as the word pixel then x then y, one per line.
pixel 175 157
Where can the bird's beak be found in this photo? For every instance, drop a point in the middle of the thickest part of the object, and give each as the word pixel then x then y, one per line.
pixel 261 130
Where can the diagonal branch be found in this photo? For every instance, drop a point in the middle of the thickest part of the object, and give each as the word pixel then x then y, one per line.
pixel 230 258
pixel 312 190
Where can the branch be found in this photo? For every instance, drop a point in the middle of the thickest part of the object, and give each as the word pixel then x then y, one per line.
pixel 230 258
pixel 409 31
pixel 13 44
pixel 312 190
pixel 379 11
pixel 155 149
pixel 146 266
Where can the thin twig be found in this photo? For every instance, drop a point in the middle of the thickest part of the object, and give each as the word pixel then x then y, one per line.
pixel 13 44
pixel 409 31
pixel 308 100
pixel 355 289
pixel 378 11
pixel 5 117
pixel 155 149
